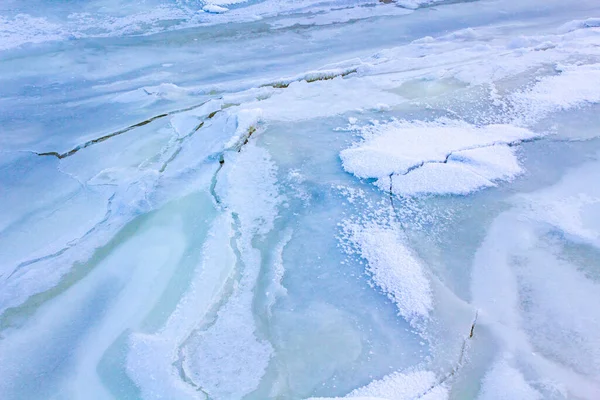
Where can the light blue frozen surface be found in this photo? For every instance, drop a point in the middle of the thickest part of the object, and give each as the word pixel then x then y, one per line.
pixel 293 200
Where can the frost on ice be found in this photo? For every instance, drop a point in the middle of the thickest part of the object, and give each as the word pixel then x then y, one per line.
pixel 182 217
pixel 444 156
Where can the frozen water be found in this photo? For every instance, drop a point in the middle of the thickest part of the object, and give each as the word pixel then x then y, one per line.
pixel 444 156
pixel 316 199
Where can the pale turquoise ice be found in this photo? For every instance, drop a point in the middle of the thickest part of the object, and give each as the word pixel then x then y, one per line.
pixel 299 199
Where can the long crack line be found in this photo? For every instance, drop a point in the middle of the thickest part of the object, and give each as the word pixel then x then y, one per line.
pixel 211 316
pixel 101 139
pixel 460 362
pixel 69 245
pixel 277 85
pixel 446 158
pixel 310 78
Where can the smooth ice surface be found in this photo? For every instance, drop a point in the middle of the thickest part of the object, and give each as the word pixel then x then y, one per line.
pixel 315 199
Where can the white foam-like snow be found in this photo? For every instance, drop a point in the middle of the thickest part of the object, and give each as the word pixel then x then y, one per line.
pixel 576 85
pixel 443 156
pixel 463 172
pixel 24 28
pixel 394 268
pixel 422 385
pixel 398 386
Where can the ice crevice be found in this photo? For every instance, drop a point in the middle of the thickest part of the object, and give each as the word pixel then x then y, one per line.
pixel 147 121
pixel 453 152
pixel 311 77
pixel 71 244
pixel 413 384
pixel 213 315
pixel 181 363
pixel 219 188
pixel 280 84
pixel 459 363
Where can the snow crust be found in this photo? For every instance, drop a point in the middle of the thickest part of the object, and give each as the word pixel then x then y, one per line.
pixel 400 386
pixel 444 156
pixel 395 269
pixel 170 245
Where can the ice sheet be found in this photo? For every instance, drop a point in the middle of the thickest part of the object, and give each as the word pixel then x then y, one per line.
pixel 535 295
pixel 263 205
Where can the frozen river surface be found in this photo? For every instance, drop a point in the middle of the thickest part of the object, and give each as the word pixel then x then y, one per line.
pixel 225 200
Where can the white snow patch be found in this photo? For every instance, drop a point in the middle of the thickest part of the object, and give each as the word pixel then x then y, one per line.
pixel 463 172
pixel 576 85
pixel 214 9
pixel 443 156
pixel 324 98
pixel 394 268
pixel 450 178
pixel 492 162
pixel 398 386
pixel 422 385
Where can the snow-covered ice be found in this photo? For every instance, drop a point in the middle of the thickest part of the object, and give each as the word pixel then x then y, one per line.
pixel 315 199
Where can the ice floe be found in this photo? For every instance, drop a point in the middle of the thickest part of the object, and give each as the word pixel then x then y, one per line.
pixel 443 156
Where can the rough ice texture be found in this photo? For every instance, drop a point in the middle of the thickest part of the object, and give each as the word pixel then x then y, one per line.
pixel 116 20
pixel 503 382
pixel 421 385
pixel 246 120
pixel 443 156
pixel 574 86
pixel 228 360
pixel 579 24
pixel 341 15
pixel 215 9
pixel 398 386
pixel 560 310
pixel 462 173
pixel 154 355
pixel 395 268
